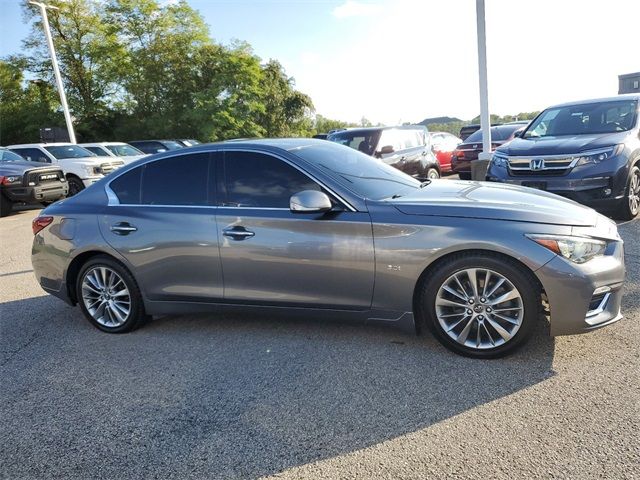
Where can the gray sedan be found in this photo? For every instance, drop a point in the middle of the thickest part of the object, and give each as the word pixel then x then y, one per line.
pixel 309 226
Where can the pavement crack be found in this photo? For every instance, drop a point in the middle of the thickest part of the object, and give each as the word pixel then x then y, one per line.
pixel 15 352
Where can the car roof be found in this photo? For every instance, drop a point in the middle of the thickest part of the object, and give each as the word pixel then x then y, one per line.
pixel 617 98
pixel 101 144
pixel 377 129
pixel 32 145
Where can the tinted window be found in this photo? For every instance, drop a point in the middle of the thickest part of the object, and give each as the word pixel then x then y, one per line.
pixel 127 186
pixel 171 145
pixel 149 147
pixel 32 154
pixel 98 151
pixel 181 180
pixel 362 140
pixel 497 133
pixel 259 180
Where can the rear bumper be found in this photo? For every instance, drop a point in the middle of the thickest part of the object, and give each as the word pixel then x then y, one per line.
pixel 40 193
pixel 574 292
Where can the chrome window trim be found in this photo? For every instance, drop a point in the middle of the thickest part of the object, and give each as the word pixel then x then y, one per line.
pixel 112 198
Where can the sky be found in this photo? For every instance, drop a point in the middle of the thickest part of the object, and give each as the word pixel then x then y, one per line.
pixel 395 61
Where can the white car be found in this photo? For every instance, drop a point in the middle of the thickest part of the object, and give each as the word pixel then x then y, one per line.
pixel 80 166
pixel 120 150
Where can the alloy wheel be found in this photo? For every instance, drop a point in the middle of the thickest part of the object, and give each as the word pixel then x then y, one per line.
pixel 479 308
pixel 634 193
pixel 106 296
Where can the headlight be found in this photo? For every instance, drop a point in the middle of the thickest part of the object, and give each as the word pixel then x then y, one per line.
pixel 576 249
pixel 11 180
pixel 92 171
pixel 597 156
pixel 499 160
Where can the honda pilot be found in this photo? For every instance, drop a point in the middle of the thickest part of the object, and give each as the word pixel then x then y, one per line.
pixel 587 151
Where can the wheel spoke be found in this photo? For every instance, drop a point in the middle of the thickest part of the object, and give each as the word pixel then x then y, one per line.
pixel 472 274
pixel 443 302
pixel 498 328
pixel 464 334
pixel 455 324
pixel 108 306
pixel 505 297
pixel 495 287
pixel 453 292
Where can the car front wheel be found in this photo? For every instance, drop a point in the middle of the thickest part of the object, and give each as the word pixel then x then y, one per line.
pixel 631 202
pixel 75 186
pixel 479 305
pixel 109 296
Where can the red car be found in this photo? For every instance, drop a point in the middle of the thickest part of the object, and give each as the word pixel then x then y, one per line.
pixel 468 151
pixel 443 145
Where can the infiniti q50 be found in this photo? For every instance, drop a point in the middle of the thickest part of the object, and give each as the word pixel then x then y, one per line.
pixel 312 226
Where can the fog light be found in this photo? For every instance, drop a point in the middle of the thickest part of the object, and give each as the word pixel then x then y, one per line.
pixel 606 192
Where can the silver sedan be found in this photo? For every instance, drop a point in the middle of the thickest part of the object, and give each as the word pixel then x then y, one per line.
pixel 313 227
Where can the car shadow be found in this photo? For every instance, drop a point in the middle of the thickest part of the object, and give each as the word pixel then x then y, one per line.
pixel 222 396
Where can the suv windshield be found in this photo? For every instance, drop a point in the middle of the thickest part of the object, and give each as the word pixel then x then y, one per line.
pixel 363 175
pixel 9 156
pixel 69 151
pixel 364 141
pixel 590 118
pixel 124 150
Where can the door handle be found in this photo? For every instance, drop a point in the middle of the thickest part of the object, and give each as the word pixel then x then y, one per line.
pixel 123 228
pixel 237 233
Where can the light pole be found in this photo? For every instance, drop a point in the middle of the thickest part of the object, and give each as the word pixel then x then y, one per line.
pixel 56 70
pixel 485 119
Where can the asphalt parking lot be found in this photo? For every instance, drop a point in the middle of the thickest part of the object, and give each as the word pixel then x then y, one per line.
pixel 228 396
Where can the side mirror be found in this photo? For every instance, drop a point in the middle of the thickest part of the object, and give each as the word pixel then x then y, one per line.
pixel 310 201
pixel 386 150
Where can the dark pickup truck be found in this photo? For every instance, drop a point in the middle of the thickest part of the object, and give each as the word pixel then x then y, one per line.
pixel 28 182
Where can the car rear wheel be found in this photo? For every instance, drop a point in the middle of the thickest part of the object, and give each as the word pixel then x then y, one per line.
pixel 109 296
pixel 75 186
pixel 479 305
pixel 631 202
pixel 432 174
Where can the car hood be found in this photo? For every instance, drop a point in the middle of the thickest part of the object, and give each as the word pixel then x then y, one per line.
pixel 458 198
pixel 19 167
pixel 566 144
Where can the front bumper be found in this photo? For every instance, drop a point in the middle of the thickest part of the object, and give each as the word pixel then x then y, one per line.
pixel 600 186
pixel 584 297
pixel 47 192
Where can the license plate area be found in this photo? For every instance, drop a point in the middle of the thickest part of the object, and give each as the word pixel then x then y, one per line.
pixel 536 185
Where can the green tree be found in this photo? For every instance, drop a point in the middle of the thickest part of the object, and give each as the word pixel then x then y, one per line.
pixel 25 107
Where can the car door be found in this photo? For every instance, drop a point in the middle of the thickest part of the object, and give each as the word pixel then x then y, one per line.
pixel 161 219
pixel 275 257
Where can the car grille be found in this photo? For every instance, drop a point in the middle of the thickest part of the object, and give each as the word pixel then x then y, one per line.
pixel 39 177
pixel 542 166
pixel 107 168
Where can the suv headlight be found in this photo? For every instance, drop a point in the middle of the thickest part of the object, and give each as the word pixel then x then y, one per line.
pixel 597 156
pixel 500 160
pixel 576 249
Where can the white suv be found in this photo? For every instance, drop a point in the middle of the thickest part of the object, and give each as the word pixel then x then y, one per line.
pixel 120 150
pixel 80 166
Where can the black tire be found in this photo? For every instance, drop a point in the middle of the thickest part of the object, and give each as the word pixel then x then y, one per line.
pixel 520 278
pixel 6 206
pixel 626 210
pixel 432 173
pixel 75 186
pixel 136 316
pixel 464 175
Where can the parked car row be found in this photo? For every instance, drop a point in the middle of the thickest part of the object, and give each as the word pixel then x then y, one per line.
pixel 81 165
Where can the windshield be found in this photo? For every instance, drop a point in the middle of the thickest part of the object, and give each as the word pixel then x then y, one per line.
pixel 498 134
pixel 68 151
pixel 363 175
pixel 364 141
pixel 171 145
pixel 9 156
pixel 590 118
pixel 124 150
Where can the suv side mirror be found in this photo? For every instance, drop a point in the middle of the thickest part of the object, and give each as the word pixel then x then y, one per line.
pixel 386 150
pixel 310 201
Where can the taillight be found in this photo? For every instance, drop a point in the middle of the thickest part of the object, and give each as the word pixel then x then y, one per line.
pixel 39 223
